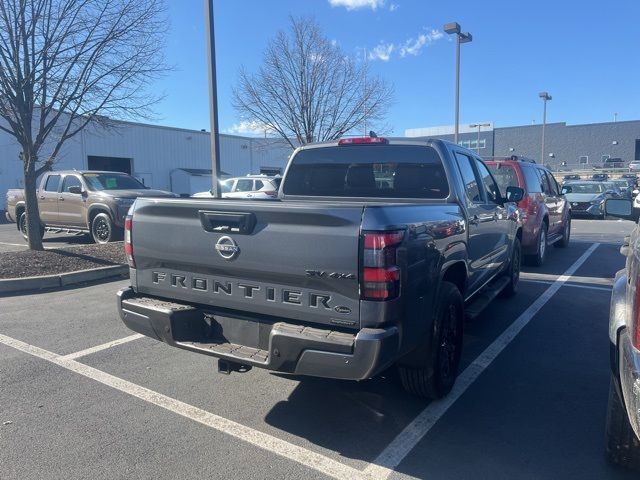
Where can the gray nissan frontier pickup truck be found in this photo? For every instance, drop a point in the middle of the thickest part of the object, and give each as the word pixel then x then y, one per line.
pixel 372 256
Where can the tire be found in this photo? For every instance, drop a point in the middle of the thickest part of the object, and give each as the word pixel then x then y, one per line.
pixel 622 446
pixel 566 235
pixel 513 272
pixel 103 230
pixel 22 226
pixel 435 378
pixel 537 259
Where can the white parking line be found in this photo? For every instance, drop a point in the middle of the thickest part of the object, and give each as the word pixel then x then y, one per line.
pixel 14 244
pixel 400 447
pixel 259 439
pixel 588 287
pixel 104 346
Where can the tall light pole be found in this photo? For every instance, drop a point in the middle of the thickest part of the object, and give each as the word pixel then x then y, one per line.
pixel 213 99
pixel 461 37
pixel 479 125
pixel 545 97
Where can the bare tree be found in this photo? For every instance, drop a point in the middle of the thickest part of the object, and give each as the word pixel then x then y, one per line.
pixel 308 90
pixel 67 63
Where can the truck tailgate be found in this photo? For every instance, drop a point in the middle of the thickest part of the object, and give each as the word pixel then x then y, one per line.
pixel 293 260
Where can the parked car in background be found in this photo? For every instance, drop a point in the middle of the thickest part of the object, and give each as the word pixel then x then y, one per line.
pixel 625 185
pixel 623 415
pixel 587 197
pixel 634 165
pixel 546 215
pixel 341 277
pixel 613 162
pixel 571 177
pixel 92 202
pixel 600 177
pixel 251 186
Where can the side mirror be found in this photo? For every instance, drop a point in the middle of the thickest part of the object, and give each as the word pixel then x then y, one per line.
pixel 619 207
pixel 76 189
pixel 566 190
pixel 514 194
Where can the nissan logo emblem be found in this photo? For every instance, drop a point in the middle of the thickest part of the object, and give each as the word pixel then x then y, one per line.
pixel 227 248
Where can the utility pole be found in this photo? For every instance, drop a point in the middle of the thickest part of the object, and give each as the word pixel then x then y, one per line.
pixel 213 99
pixel 545 97
pixel 461 37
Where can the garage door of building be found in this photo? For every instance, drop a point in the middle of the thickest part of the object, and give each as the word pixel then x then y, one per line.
pixel 109 164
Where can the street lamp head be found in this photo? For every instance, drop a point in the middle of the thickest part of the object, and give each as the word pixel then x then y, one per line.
pixel 544 95
pixel 451 28
pixel 465 37
pixel 474 125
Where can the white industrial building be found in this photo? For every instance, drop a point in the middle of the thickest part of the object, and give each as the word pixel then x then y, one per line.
pixel 159 156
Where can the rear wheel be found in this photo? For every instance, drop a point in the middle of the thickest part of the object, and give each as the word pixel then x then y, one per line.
pixel 566 235
pixel 537 259
pixel 22 225
pixel 441 358
pixel 622 444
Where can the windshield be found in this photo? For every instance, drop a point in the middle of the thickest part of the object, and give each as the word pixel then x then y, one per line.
pixel 388 171
pixel 586 187
pixel 112 181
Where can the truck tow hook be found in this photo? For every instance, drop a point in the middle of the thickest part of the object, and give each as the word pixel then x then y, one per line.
pixel 226 367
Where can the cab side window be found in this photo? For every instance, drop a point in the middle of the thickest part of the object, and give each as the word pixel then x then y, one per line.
pixel 53 181
pixel 470 179
pixel 70 181
pixel 244 185
pixel 544 182
pixel 489 184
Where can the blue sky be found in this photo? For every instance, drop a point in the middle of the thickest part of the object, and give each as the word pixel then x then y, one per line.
pixel 583 53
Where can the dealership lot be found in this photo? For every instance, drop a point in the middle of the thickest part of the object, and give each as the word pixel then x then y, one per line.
pixel 11 240
pixel 80 396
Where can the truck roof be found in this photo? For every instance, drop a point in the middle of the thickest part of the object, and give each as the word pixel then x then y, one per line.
pixel 390 140
pixel 65 172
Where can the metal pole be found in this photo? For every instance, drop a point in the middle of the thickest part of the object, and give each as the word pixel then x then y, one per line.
pixel 478 144
pixel 213 99
pixel 544 123
pixel 457 127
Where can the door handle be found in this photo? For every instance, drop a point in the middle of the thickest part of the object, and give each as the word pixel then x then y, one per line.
pixel 61 198
pixel 41 197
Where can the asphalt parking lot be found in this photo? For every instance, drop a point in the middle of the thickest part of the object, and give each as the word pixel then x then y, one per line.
pixel 81 397
pixel 11 239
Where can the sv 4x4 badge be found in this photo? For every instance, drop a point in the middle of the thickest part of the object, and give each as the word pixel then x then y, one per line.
pixel 323 274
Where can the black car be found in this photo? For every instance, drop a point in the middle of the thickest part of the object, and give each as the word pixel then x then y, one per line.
pixel 600 177
pixel 571 177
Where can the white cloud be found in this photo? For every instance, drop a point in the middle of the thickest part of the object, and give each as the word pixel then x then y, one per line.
pixel 357 4
pixel 382 52
pixel 251 128
pixel 411 46
pixel 393 7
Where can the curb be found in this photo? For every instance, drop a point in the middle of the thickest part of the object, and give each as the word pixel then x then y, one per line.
pixel 14 285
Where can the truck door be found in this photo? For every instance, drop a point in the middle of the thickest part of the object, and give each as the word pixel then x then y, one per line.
pixel 71 204
pixel 496 224
pixel 48 200
pixel 480 244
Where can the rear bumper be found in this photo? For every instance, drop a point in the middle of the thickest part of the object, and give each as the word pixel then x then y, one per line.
pixel 629 370
pixel 277 346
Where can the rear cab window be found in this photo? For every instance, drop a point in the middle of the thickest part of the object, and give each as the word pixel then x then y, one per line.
pixel 378 171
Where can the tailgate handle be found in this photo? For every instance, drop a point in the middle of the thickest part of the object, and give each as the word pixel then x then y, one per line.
pixel 238 222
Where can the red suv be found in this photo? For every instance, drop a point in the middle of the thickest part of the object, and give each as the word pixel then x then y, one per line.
pixel 546 215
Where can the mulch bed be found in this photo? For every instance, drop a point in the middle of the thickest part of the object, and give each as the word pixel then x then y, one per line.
pixel 30 263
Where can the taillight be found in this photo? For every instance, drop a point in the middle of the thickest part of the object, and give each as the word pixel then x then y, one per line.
pixel 362 141
pixel 380 275
pixel 128 245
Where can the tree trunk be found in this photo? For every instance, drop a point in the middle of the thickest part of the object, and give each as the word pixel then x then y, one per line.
pixel 34 227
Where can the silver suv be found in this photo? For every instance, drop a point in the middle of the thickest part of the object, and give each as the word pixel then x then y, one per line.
pixel 251 186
